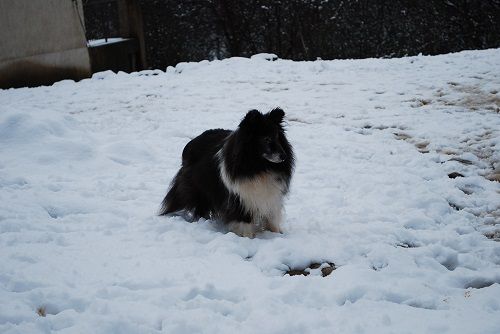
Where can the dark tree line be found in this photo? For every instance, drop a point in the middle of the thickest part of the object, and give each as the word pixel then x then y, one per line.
pixel 192 30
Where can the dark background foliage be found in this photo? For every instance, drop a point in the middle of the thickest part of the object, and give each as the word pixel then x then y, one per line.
pixel 192 30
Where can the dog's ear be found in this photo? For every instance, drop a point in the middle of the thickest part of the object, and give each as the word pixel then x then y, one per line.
pixel 276 115
pixel 251 118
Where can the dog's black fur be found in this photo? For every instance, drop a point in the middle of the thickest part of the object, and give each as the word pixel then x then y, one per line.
pixel 238 177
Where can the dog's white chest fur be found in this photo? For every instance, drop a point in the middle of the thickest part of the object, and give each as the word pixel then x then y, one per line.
pixel 262 197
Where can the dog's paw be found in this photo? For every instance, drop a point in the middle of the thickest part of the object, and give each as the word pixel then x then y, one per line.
pixel 275 228
pixel 243 229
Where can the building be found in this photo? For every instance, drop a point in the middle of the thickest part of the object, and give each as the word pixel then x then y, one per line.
pixel 43 41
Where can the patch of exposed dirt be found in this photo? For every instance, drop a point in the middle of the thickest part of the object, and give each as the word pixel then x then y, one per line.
pixel 325 269
pixel 454 175
pixel 471 97
pixel 41 311
pixel 421 145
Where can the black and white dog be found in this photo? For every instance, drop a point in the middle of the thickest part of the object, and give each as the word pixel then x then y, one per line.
pixel 238 177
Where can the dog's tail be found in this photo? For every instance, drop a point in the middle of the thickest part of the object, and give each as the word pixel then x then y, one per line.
pixel 172 201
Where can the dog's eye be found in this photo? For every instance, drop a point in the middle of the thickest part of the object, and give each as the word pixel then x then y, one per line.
pixel 267 140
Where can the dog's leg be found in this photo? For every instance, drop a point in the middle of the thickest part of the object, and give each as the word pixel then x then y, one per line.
pixel 242 229
pixel 273 223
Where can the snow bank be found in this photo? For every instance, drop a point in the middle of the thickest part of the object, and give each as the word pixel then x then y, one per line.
pixel 85 165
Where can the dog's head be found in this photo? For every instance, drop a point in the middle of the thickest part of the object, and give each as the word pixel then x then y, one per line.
pixel 265 134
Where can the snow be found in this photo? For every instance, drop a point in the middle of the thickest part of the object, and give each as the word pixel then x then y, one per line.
pixel 85 166
pixel 102 41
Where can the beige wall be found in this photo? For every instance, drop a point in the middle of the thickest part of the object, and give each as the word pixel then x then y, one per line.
pixel 41 41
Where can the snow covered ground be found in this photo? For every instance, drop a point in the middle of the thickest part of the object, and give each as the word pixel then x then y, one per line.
pixel 85 165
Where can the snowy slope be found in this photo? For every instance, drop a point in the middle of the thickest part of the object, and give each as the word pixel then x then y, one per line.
pixel 85 165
